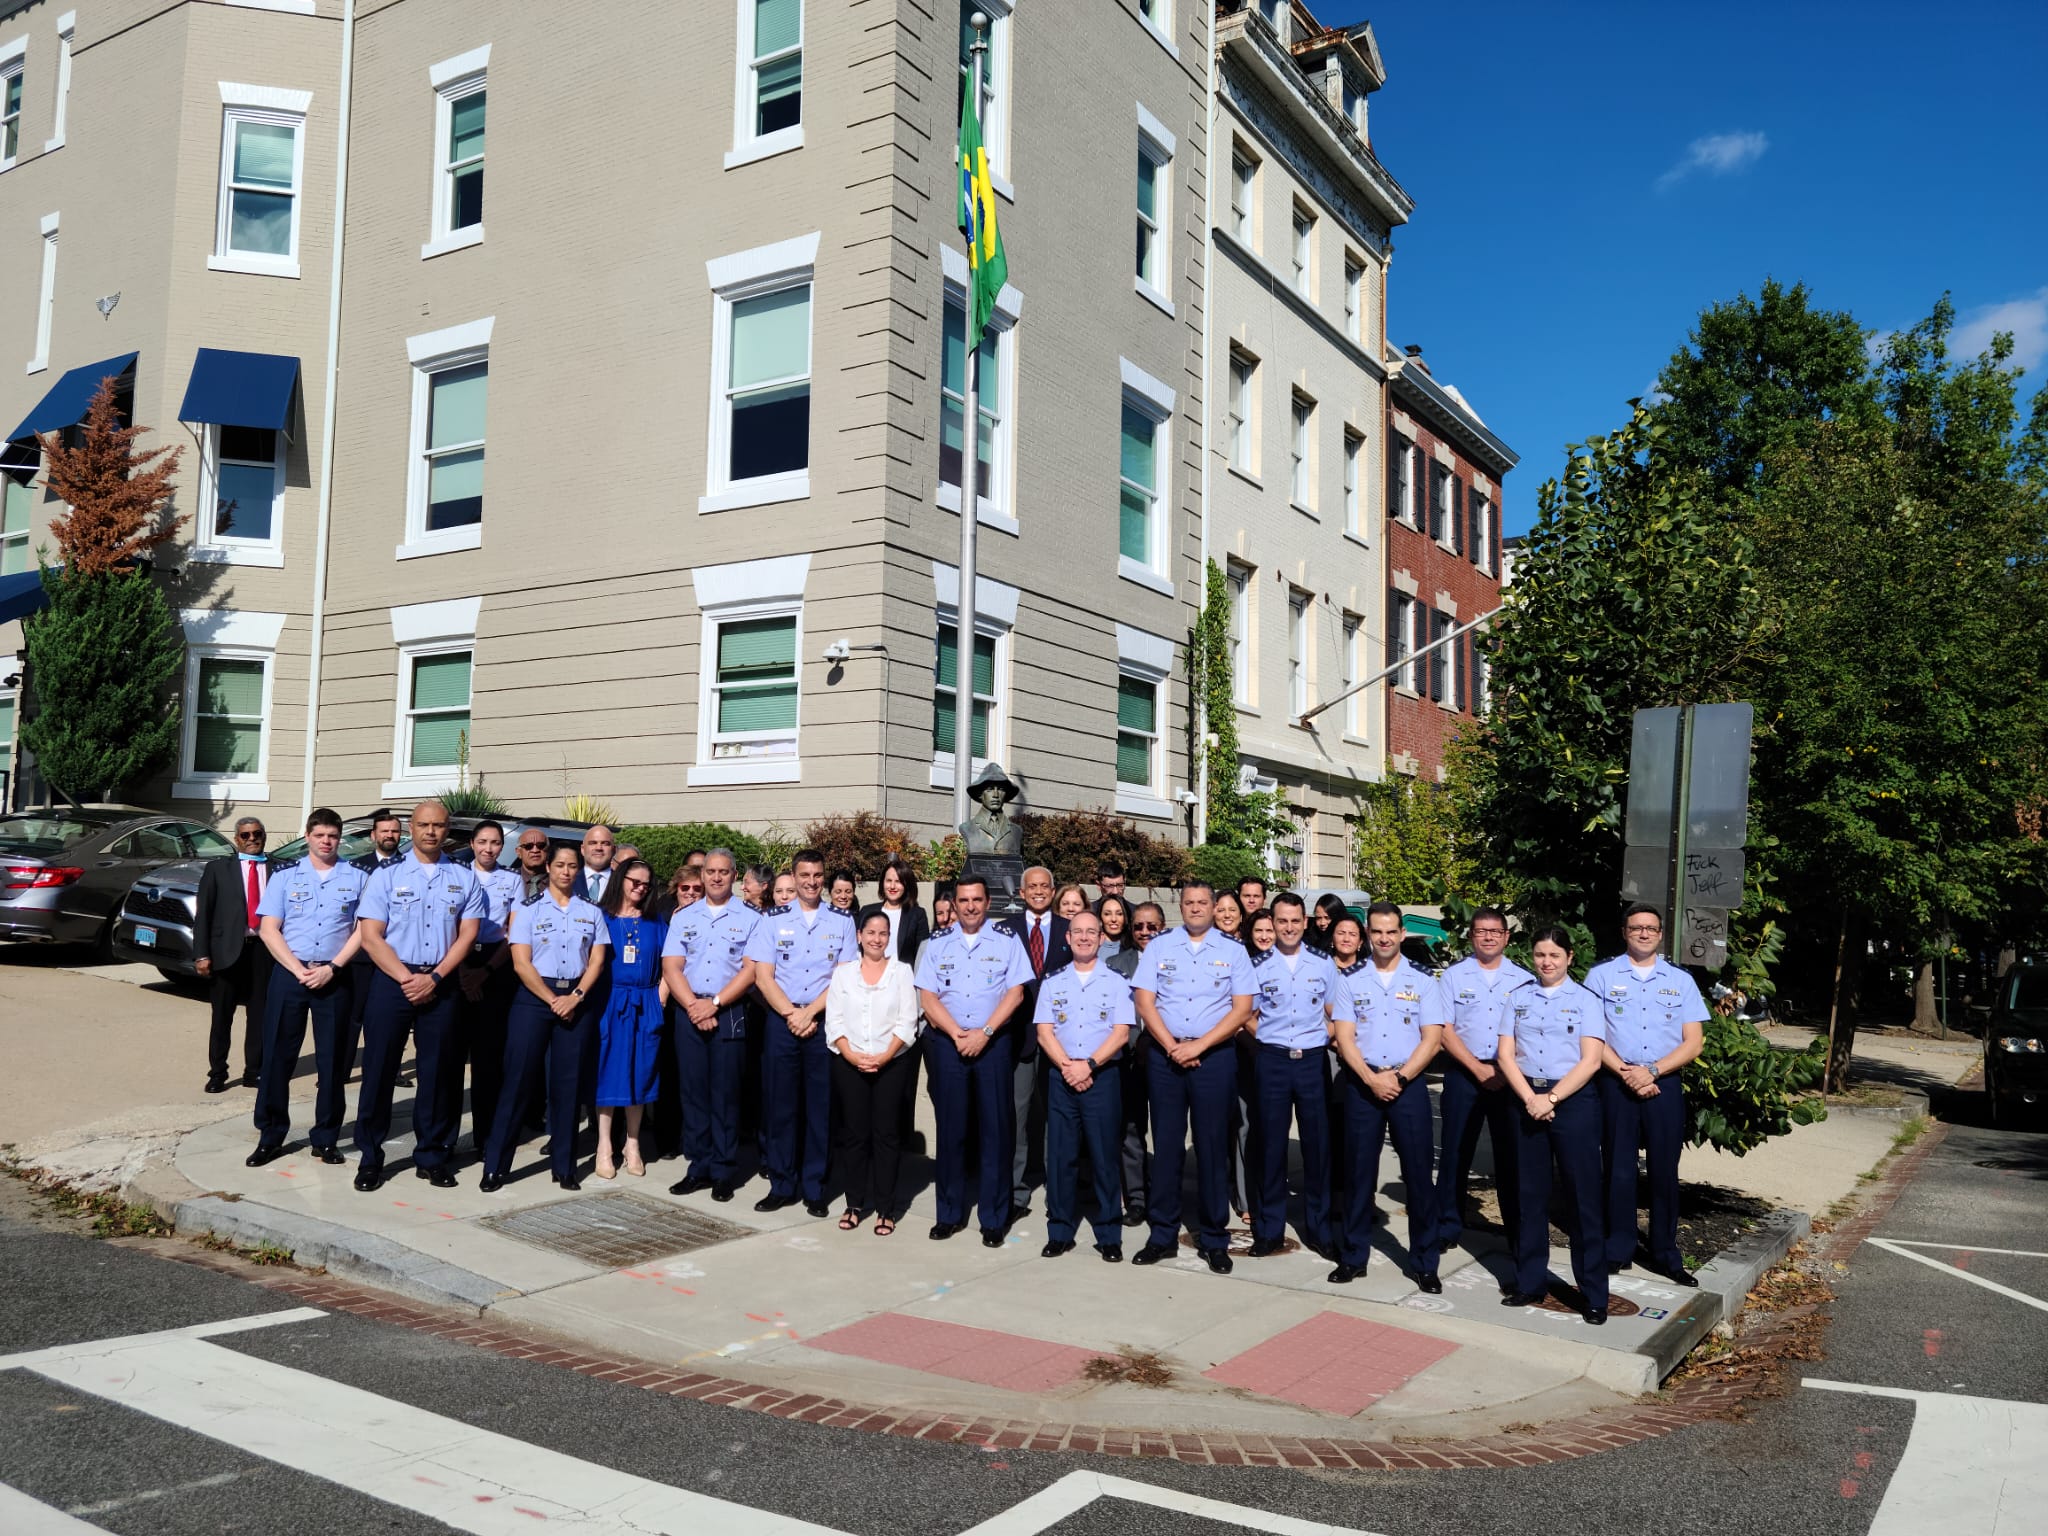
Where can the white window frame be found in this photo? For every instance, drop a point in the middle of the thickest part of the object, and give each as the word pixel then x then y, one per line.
pixel 1483 520
pixel 226 635
pixel 1404 450
pixel 749 275
pixel 1237 580
pixel 1354 502
pixel 436 352
pixel 452 80
pixel 995 511
pixel 259 104
pixel 1244 198
pixel 28 531
pixel 1155 401
pixel 1241 413
pixel 1156 16
pixel 995 617
pixel 1401 624
pixel 13 66
pixel 1354 300
pixel 1301 483
pixel 747 145
pixel 1156 145
pixel 67 28
pixel 1351 659
pixel 46 296
pixel 419 630
pixel 226 549
pixel 995 111
pixel 1300 650
pixel 1302 251
pixel 1147 658
pixel 746 589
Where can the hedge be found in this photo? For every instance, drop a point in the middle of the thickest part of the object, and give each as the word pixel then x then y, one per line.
pixel 665 847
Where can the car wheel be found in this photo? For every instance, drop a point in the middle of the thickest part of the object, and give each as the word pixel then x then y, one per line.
pixel 175 978
pixel 103 944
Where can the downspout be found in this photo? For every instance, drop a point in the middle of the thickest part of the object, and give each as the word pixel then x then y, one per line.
pixel 1199 707
pixel 328 411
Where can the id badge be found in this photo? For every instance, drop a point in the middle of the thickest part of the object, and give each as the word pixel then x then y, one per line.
pixel 631 951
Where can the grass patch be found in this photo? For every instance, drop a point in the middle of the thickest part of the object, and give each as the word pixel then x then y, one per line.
pixel 110 1215
pixel 1909 1133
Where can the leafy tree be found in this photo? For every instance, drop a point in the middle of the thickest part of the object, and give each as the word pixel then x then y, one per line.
pixel 104 650
pixel 1404 844
pixel 1238 817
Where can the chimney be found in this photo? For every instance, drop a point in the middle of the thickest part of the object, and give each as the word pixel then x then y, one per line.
pixel 1415 356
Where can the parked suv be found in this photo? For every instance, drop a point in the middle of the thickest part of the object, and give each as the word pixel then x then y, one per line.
pixel 64 872
pixel 2016 1044
pixel 155 924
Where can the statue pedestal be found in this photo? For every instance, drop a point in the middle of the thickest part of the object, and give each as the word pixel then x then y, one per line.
pixel 1004 873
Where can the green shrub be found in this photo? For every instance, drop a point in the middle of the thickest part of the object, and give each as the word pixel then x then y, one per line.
pixel 665 847
pixel 942 860
pixel 1742 1090
pixel 860 843
pixel 1224 866
pixel 474 800
pixel 1072 843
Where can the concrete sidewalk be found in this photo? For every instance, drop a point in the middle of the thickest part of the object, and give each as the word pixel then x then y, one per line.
pixel 901 1322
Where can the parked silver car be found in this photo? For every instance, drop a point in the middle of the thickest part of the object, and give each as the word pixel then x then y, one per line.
pixel 63 873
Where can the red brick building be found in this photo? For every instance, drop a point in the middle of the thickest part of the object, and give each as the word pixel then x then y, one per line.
pixel 1443 549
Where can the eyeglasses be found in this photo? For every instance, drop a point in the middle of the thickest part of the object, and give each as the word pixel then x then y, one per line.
pixel 1489 930
pixel 1645 927
pixel 1146 927
pixel 635 885
pixel 532 847
pixel 249 837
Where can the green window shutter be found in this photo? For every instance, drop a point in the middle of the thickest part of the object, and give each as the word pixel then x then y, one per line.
pixel 441 682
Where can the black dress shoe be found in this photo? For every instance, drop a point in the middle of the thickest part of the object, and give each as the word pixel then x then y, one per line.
pixel 491 1183
pixel 1019 1209
pixel 1135 1218
pixel 1429 1284
pixel 1151 1253
pixel 817 1209
pixel 774 1202
pixel 991 1238
pixel 216 1085
pixel 367 1179
pixel 1523 1298
pixel 573 1183
pixel 1266 1247
pixel 1112 1253
pixel 1054 1250
pixel 1344 1274
pixel 249 1080
pixel 1616 1266
pixel 1679 1275
pixel 1217 1259
pixel 689 1186
pixel 722 1191
pixel 442 1178
pixel 329 1155
pixel 941 1230
pixel 261 1156
pixel 1596 1316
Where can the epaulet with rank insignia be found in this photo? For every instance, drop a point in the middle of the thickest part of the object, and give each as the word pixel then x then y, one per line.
pixel 1354 967
pixel 1262 956
pixel 279 866
pixel 782 911
pixel 1065 965
pixel 1529 981
pixel 536 896
pixel 395 858
pixel 940 933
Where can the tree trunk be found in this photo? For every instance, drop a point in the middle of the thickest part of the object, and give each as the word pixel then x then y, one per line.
pixel 1842 1011
pixel 1926 1016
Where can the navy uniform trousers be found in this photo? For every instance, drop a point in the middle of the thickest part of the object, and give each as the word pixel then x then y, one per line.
pixel 1572 1137
pixel 286 1010
pixel 710 1067
pixel 1092 1119
pixel 796 1110
pixel 388 1019
pixel 1202 1094
pixel 1367 1124
pixel 1131 1071
pixel 984 1085
pixel 1466 1109
pixel 538 1044
pixel 1657 1124
pixel 480 1044
pixel 1292 1084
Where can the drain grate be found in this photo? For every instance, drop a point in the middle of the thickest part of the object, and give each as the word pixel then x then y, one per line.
pixel 615 1231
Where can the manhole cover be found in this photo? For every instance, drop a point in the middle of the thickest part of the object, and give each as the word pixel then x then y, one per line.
pixel 615 1231
pixel 1617 1306
pixel 1240 1240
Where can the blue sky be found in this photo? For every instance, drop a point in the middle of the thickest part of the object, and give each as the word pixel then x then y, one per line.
pixel 1588 177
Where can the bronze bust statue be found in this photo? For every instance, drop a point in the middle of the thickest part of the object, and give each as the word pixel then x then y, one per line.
pixel 988 828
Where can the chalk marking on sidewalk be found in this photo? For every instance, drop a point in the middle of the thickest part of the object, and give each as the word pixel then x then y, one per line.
pixel 1971 1464
pixel 21 1515
pixel 469 1478
pixel 33 1359
pixel 151 1495
pixel 1961 1274
pixel 1077 1490
pixel 2012 1253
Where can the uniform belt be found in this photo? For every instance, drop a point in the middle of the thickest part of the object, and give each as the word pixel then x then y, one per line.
pixel 560 985
pixel 1291 1052
pixel 1541 1084
pixel 422 970
pixel 1395 1068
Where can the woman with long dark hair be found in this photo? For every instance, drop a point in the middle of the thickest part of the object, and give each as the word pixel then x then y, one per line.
pixel 631 1031
pixel 1328 908
pixel 1115 913
pixel 870 1026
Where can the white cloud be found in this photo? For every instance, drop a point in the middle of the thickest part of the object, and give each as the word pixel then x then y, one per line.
pixel 1718 154
pixel 2026 318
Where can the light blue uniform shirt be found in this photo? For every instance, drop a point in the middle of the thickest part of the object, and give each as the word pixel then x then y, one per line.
pixel 971 978
pixel 1547 1028
pixel 1645 1016
pixel 804 954
pixel 561 938
pixel 1476 997
pixel 315 915
pixel 1293 1002
pixel 1391 1016
pixel 711 942
pixel 1082 1010
pixel 421 906
pixel 1194 986
pixel 503 890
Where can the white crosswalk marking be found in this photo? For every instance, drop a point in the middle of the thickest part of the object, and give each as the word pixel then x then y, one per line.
pixel 1960 1274
pixel 1972 1464
pixel 21 1515
pixel 1074 1492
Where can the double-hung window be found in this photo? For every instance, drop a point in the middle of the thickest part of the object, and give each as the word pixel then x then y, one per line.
pixel 1401 477
pixel 1350 660
pixel 17 519
pixel 754 687
pixel 13 63
pixel 1354 301
pixel 1300 634
pixel 995 84
pixel 1354 451
pixel 769 110
pixel 230 666
pixel 1137 733
pixel 1439 494
pixel 1244 189
pixel 435 708
pixel 761 376
pixel 1304 252
pixel 1301 481
pixel 946 691
pixel 248 487
pixel 1144 447
pixel 1155 210
pixel 1144 661
pixel 991 389
pixel 263 159
pixel 1482 532
pixel 461 101
pixel 1238 581
pixel 46 296
pixel 1238 428
pixel 445 485
pixel 1401 638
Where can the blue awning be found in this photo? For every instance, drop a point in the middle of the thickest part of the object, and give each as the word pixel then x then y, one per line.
pixel 20 595
pixel 66 400
pixel 241 389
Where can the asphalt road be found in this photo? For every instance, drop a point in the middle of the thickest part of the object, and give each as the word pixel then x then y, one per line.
pixel 326 1424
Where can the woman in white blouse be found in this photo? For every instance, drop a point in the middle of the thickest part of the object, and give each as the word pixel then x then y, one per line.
pixel 870 1025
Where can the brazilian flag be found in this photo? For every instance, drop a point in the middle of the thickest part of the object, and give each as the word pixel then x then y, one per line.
pixel 987 270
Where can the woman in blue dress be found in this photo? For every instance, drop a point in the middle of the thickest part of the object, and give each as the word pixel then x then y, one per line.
pixel 630 1029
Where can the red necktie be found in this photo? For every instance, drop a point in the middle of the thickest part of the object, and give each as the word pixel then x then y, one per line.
pixel 255 893
pixel 1034 945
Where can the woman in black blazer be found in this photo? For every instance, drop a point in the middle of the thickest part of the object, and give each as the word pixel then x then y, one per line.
pixel 898 885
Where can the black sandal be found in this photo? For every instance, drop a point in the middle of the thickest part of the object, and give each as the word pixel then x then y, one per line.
pixel 851 1219
pixel 884 1225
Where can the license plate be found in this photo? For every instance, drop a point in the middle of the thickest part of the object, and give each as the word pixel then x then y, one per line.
pixel 146 937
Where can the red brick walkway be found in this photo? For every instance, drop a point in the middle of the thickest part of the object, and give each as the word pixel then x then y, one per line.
pixel 1333 1363
pixel 1006 1360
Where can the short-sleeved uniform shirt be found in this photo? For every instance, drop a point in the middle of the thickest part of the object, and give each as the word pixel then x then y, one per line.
pixel 560 938
pixel 1294 1001
pixel 804 953
pixel 1645 1016
pixel 1391 1010
pixel 711 942
pixel 503 890
pixel 421 906
pixel 970 976
pixel 1476 998
pixel 1084 1008
pixel 1547 1027
pixel 314 914
pixel 1194 986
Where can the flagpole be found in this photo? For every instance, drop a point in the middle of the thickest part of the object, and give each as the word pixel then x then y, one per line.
pixel 970 506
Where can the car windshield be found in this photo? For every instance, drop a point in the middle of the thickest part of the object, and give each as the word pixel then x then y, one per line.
pixel 353 844
pixel 2029 991
pixel 40 834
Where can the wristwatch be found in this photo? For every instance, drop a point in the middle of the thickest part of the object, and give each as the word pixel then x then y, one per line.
pixel 1402 1078
pixel 578 992
pixel 1651 1068
pixel 1552 1096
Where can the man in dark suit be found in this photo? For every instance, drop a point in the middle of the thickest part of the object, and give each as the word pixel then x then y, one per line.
pixel 1043 933
pixel 231 957
pixel 596 873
